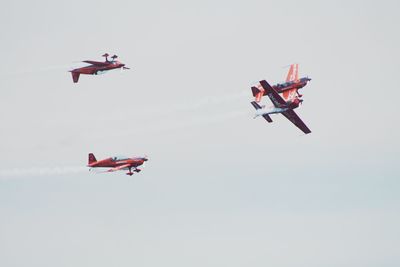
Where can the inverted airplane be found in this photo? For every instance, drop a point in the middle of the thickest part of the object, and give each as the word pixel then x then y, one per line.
pixel 117 163
pixel 284 104
pixel 292 83
pixel 97 67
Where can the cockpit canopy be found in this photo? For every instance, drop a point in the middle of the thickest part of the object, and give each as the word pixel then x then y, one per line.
pixel 286 84
pixel 117 158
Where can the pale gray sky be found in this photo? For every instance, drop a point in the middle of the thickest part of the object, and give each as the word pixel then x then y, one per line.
pixel 220 189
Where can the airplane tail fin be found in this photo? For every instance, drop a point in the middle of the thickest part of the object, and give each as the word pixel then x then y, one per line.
pixel 92 158
pixel 75 76
pixel 293 73
pixel 257 93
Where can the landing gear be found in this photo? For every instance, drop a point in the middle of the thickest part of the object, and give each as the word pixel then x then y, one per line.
pixel 130 173
pixel 298 94
pixel 106 56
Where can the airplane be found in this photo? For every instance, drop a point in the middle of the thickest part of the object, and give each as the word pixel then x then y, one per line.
pixel 292 83
pixel 97 67
pixel 284 105
pixel 117 163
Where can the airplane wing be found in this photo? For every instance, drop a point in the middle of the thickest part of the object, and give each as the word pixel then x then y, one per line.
pixel 293 74
pixel 292 116
pixel 97 63
pixel 276 99
pixel 267 117
pixel 119 168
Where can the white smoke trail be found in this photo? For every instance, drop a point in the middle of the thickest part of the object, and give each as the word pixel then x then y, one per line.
pixel 214 100
pixel 29 172
pixel 39 69
pixel 35 70
pixel 167 125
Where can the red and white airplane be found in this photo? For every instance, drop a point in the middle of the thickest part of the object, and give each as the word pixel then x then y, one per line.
pixel 285 98
pixel 291 85
pixel 117 163
pixel 97 67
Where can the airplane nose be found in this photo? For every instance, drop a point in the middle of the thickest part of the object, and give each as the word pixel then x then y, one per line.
pixel 122 66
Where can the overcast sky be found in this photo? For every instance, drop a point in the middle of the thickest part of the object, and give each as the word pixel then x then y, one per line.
pixel 220 188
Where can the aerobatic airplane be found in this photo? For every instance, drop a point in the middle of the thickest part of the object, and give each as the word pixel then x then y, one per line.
pixel 97 67
pixel 292 84
pixel 283 105
pixel 117 163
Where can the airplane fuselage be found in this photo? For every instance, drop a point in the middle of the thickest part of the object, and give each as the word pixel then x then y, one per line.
pixel 269 110
pixel 92 69
pixel 280 87
pixel 112 163
pixel 292 104
pixel 117 163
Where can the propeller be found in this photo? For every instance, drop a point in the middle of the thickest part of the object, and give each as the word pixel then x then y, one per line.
pixel 124 68
pixel 145 158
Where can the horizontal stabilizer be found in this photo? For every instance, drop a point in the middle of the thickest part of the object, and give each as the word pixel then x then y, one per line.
pixel 256 105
